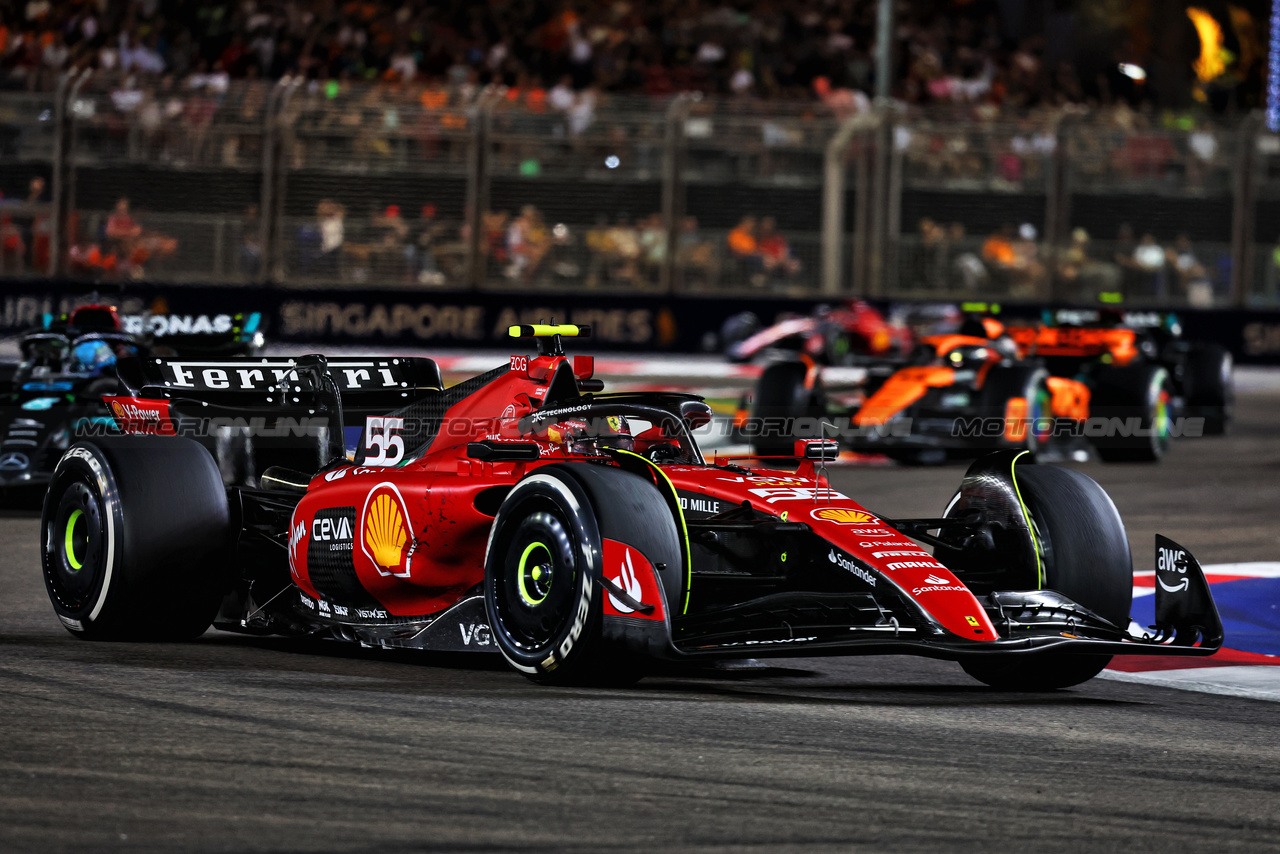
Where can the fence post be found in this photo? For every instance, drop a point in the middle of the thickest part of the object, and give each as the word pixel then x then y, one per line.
pixel 57 212
pixel 670 277
pixel 1057 210
pixel 833 198
pixel 267 220
pixel 64 190
pixel 479 116
pixel 893 205
pixel 1242 220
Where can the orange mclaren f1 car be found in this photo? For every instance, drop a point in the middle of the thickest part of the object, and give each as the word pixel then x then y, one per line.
pixel 1120 388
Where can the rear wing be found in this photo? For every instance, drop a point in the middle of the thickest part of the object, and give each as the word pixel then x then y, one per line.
pixel 373 382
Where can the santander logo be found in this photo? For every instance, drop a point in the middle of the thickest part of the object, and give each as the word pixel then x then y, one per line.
pixel 936 584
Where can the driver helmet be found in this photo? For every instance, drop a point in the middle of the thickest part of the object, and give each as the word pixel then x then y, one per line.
pixel 92 357
pixel 968 357
pixel 590 439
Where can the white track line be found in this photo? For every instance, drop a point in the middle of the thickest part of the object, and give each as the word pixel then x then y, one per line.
pixel 1256 682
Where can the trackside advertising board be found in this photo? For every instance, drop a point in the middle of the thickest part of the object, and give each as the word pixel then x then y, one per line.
pixel 459 319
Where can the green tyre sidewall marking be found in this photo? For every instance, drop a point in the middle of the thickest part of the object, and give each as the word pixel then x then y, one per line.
pixel 68 543
pixel 522 571
pixel 1035 543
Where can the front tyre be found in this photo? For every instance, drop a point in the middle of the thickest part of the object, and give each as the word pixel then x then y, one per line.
pixel 542 593
pixel 133 533
pixel 1084 555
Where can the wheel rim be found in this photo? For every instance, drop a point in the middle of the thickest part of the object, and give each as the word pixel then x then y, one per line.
pixel 534 593
pixel 75 542
pixel 534 574
pixel 75 554
pixel 1160 420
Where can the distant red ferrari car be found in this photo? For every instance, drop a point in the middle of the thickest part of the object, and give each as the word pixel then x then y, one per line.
pixel 831 336
pixel 578 533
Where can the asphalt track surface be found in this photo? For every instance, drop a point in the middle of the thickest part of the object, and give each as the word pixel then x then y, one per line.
pixel 237 744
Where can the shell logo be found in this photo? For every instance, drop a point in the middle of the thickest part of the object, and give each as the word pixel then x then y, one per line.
pixel 845 516
pixel 384 531
pixel 118 409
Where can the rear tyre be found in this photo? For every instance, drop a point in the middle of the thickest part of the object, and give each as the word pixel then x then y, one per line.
pixel 129 550
pixel 1137 396
pixel 1208 387
pixel 785 409
pixel 1084 554
pixel 1029 386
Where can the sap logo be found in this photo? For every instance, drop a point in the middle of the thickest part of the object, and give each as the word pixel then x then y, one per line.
pixel 628 582
pixel 1173 560
pixel 700 505
pixel 477 633
pixel 851 567
pixel 331 529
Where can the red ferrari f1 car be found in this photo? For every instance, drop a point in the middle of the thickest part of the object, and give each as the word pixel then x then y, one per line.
pixel 581 534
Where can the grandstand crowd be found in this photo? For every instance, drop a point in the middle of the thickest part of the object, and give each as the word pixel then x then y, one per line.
pixel 974 51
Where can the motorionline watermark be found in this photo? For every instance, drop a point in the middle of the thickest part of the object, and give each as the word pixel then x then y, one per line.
pixel 750 429
pixel 1095 427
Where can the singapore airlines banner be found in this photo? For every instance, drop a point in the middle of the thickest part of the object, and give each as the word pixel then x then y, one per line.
pixel 479 319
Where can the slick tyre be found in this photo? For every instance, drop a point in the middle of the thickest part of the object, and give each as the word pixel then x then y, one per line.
pixel 1208 387
pixel 1135 396
pixel 134 539
pixel 543 592
pixel 1020 392
pixel 1084 555
pixel 542 588
pixel 785 409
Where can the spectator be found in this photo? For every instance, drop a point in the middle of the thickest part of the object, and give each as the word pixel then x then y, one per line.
pixel 1150 259
pixel 331 230
pixel 1084 278
pixel 122 230
pixel 1193 277
pixel 775 253
pixel 695 255
pixel 430 241
pixel 744 251
pixel 249 259
pixel 966 268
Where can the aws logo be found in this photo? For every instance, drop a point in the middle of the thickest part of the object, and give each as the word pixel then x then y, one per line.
pixel 385 535
pixel 844 516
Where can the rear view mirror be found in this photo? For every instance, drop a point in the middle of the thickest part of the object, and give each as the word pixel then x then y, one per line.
pixel 818 449
pixel 695 414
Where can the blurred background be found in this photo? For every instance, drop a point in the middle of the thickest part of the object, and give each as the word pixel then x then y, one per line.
pixel 1046 151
